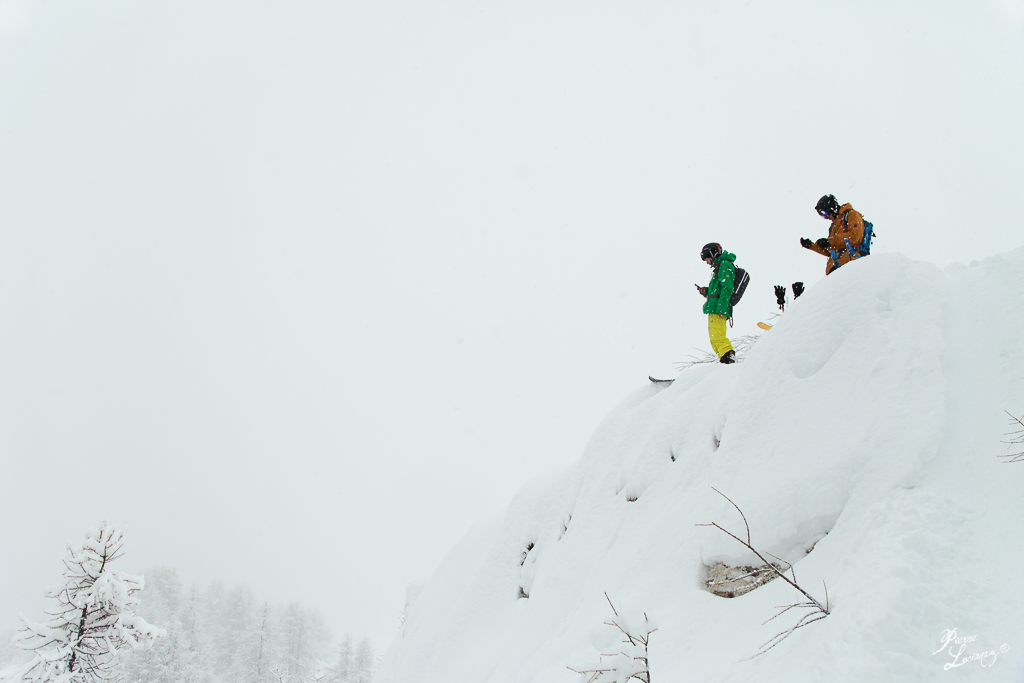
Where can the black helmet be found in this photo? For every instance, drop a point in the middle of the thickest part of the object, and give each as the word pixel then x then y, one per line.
pixel 827 206
pixel 711 250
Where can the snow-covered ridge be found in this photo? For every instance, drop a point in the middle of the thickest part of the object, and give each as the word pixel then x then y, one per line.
pixel 864 425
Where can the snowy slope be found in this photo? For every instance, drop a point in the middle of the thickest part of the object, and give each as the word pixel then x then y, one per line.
pixel 867 421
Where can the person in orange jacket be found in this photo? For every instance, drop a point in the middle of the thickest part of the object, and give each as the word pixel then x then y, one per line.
pixel 845 234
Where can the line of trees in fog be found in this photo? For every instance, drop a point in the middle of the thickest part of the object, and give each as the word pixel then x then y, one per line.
pixel 221 635
pixel 109 626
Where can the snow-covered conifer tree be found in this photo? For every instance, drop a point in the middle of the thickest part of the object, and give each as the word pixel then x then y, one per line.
pixel 343 669
pixel 630 661
pixel 366 662
pixel 181 656
pixel 355 664
pixel 232 621
pixel 304 640
pixel 94 620
pixel 262 657
pixel 197 668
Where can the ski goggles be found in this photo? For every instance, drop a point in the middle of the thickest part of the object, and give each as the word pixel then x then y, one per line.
pixel 825 213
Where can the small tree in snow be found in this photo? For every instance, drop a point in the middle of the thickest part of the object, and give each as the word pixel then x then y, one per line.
pixel 741 345
pixel 320 673
pixel 630 662
pixel 95 618
pixel 1016 438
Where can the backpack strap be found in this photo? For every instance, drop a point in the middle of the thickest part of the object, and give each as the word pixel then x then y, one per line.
pixel 857 251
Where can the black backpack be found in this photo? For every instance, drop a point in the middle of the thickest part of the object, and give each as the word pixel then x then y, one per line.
pixel 739 285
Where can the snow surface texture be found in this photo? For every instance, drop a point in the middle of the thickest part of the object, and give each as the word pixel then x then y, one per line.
pixel 866 424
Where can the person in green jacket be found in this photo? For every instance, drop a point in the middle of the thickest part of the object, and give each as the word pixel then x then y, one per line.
pixel 718 293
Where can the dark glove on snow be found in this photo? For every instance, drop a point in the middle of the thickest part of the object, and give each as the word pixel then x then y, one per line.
pixel 805 243
pixel 780 295
pixel 798 289
pixel 823 243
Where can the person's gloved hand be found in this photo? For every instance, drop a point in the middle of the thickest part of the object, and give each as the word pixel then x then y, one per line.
pixel 703 290
pixel 805 243
pixel 798 289
pixel 780 295
pixel 823 243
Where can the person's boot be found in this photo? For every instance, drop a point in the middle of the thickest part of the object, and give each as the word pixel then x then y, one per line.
pixel 728 357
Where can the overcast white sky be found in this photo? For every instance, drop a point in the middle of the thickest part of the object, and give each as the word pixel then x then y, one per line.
pixel 299 292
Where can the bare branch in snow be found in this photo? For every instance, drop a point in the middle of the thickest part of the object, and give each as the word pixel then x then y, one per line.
pixel 816 612
pixel 1016 438
pixel 741 345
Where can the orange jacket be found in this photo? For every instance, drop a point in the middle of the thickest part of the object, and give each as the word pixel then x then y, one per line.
pixel 848 224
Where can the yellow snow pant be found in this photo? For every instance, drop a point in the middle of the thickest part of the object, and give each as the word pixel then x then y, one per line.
pixel 716 330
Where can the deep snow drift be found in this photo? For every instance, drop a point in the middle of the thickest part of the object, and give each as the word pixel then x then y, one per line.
pixel 864 425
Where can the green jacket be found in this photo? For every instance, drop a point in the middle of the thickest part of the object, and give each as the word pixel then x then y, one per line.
pixel 720 289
